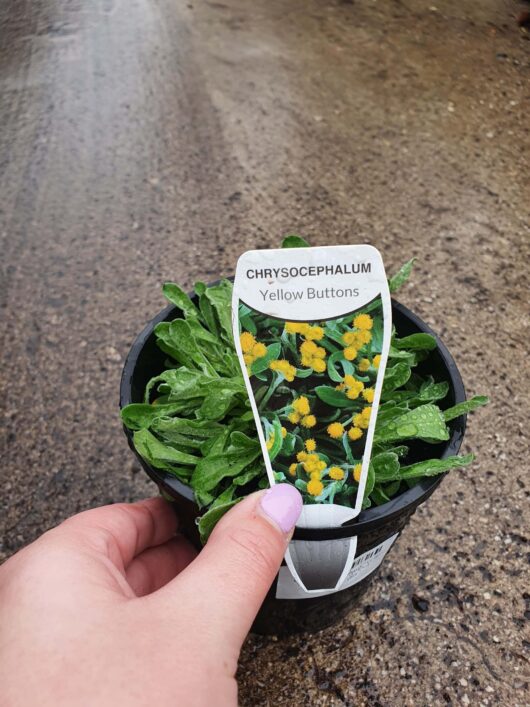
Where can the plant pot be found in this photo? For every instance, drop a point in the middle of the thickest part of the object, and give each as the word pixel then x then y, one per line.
pixel 373 526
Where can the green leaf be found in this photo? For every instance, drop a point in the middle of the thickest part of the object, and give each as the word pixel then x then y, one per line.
pixel 433 467
pixel 216 467
pixel 425 422
pixel 396 376
pixel 209 520
pixel 465 407
pixel 249 474
pixel 293 241
pixel 347 367
pixel 180 299
pixel 401 277
pixel 137 416
pixel 220 297
pixel 386 467
pixel 158 454
pixel 333 397
pixel 416 342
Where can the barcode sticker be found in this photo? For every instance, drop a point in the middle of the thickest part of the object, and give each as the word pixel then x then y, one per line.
pixel 365 564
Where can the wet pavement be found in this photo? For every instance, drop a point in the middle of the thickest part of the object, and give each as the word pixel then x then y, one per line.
pixel 143 141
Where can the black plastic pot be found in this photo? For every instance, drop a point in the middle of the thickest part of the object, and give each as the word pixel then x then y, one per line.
pixel 373 526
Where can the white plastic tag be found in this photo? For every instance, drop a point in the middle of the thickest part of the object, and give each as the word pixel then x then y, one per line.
pixel 312 329
pixel 288 588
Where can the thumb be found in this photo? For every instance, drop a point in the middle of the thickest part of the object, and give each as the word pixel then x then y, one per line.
pixel 228 581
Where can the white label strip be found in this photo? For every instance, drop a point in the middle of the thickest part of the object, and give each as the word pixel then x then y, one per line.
pixel 365 564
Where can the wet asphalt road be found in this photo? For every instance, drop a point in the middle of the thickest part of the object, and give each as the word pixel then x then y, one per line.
pixel 142 141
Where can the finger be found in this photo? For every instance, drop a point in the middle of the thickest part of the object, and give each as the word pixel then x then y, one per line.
pixel 226 584
pixel 156 566
pixel 123 530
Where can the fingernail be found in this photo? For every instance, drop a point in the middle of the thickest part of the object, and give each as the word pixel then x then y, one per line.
pixel 283 504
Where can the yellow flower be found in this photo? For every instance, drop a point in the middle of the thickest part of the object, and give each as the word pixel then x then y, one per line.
pixel 292 469
pixel 336 473
pixel 248 358
pixel 368 395
pixel 355 433
pixel 357 472
pixel 270 442
pixel 354 387
pixel 293 417
pixel 247 341
pixel 365 336
pixel 335 430
pixel 341 386
pixel 314 333
pixel 259 350
pixel 315 487
pixel 309 421
pixel 308 348
pixel 318 365
pixel 301 405
pixel 363 365
pixel 301 456
pixel 366 412
pixel 284 432
pixel 363 321
pixel 310 445
pixel 376 361
pixel 350 353
pixel 361 421
pixel 284 367
pixel 348 337
pixel 294 327
pixel 312 463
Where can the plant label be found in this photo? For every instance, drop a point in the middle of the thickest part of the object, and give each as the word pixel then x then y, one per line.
pixel 312 329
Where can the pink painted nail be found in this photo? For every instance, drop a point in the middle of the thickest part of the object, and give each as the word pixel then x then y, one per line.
pixel 283 504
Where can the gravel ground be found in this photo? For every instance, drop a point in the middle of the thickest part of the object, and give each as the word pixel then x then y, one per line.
pixel 144 141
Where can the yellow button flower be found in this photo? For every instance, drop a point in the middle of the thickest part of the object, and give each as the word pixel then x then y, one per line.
pixel 284 432
pixel 376 361
pixel 301 405
pixel 259 350
pixel 301 456
pixel 368 395
pixel 348 337
pixel 294 418
pixel 350 352
pixel 315 487
pixel 363 321
pixel 284 367
pixel 270 442
pixel 336 473
pixel 335 430
pixel 361 421
pixel 363 365
pixel 309 421
pixel 354 433
pixel 310 445
pixel 314 333
pixel 247 341
pixel 357 472
pixel 365 336
pixel 318 365
pixel 292 469
pixel 294 327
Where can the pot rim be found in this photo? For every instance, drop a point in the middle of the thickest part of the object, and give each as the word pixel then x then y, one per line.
pixel 368 519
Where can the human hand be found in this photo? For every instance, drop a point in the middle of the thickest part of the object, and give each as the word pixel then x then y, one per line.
pixel 113 607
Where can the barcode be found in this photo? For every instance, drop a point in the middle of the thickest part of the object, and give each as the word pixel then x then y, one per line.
pixel 367 556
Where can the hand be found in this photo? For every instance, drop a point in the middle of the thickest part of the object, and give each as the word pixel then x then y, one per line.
pixel 113 607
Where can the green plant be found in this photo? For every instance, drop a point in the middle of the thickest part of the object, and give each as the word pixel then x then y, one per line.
pixel 196 422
